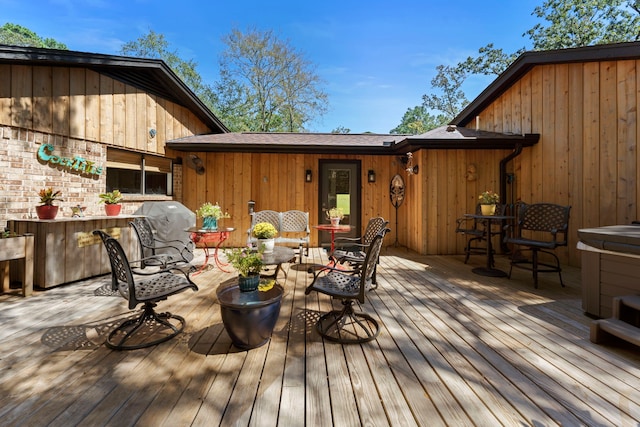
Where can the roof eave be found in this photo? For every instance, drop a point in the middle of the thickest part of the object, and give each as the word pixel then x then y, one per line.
pixel 502 143
pixel 279 149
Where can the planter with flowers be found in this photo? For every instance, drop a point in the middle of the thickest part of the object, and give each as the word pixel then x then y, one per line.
pixel 335 215
pixel 47 210
pixel 210 215
pixel 488 200
pixel 248 264
pixel 265 232
pixel 111 200
pixel 249 314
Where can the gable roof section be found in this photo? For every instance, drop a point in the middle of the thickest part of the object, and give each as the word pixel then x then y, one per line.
pixel 528 60
pixel 150 75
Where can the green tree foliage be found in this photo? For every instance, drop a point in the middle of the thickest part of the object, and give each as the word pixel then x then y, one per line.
pixel 567 23
pixel 573 23
pixel 17 35
pixel 155 46
pixel 341 129
pixel 417 120
pixel 266 85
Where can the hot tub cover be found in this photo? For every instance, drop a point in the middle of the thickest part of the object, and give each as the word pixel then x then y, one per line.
pixel 615 238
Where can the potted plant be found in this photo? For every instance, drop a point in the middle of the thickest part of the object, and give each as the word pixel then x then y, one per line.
pixel 488 200
pixel 248 263
pixel 210 215
pixel 111 200
pixel 47 196
pixel 265 232
pixel 335 215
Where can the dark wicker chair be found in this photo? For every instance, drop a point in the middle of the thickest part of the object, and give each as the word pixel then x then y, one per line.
pixel 475 230
pixel 352 250
pixel 157 252
pixel 346 325
pixel 540 228
pixel 150 328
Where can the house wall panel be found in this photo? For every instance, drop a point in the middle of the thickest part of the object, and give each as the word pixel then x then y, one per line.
pixel 587 156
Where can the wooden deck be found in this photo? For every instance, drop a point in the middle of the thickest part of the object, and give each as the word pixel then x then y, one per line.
pixel 456 349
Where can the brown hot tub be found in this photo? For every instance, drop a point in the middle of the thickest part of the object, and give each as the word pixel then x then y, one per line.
pixel 610 266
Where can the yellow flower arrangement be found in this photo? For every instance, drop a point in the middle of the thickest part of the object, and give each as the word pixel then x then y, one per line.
pixel 264 230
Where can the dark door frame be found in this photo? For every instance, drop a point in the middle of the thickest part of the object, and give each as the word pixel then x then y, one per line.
pixel 356 195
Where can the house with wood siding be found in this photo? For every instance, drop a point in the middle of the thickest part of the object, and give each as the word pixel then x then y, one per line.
pixel 557 126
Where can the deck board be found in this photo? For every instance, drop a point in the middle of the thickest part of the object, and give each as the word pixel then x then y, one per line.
pixel 455 349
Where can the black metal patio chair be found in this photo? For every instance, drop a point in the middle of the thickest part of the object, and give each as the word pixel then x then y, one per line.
pixel 149 328
pixel 540 228
pixel 352 250
pixel 347 325
pixel 157 252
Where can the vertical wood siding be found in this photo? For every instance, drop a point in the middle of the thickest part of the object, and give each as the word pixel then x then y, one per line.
pixel 435 197
pixel 587 157
pixel 80 103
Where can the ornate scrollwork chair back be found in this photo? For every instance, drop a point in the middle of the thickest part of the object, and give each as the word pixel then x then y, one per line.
pixel 352 250
pixel 150 328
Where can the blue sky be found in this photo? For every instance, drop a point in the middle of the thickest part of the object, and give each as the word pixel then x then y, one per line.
pixel 377 57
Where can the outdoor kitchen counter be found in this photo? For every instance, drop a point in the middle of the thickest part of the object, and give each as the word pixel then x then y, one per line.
pixel 610 266
pixel 65 250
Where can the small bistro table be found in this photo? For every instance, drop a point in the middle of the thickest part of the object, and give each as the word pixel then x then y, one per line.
pixel 333 229
pixel 279 256
pixel 489 270
pixel 204 239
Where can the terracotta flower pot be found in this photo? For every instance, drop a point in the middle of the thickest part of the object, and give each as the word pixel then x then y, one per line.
pixel 112 209
pixel 47 211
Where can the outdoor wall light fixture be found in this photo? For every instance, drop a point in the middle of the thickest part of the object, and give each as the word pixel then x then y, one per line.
pixel 308 175
pixel 371 175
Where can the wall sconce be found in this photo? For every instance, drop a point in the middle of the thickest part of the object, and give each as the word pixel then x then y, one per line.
pixel 308 175
pixel 371 175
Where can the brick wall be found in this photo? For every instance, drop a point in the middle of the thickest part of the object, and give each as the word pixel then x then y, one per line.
pixel 23 174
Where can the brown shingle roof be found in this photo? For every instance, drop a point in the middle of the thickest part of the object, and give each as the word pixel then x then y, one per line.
pixel 274 142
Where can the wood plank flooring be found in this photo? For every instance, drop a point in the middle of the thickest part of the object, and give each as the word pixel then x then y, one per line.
pixel 456 349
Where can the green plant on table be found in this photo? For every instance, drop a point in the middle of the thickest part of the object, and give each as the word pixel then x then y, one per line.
pixel 110 197
pixel 489 197
pixel 49 195
pixel 246 261
pixel 208 209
